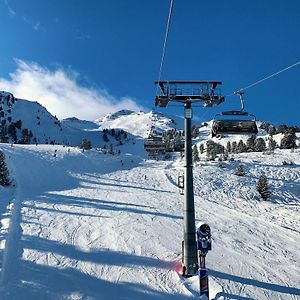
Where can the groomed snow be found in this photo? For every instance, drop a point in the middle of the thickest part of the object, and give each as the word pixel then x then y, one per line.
pixel 86 226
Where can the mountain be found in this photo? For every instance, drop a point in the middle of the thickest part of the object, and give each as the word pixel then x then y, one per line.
pixel 45 128
pixel 92 225
pixel 24 121
pixel 140 123
pixel 18 115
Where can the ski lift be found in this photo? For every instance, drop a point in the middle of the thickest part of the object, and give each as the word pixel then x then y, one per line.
pixel 234 121
pixel 154 143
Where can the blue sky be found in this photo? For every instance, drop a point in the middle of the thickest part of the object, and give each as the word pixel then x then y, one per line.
pixel 110 51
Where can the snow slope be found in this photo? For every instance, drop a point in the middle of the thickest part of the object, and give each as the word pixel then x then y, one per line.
pixel 33 116
pixel 89 225
pixel 86 226
pixel 139 123
pixel 47 129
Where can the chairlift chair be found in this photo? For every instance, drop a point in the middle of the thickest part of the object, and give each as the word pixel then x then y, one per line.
pixel 154 143
pixel 234 121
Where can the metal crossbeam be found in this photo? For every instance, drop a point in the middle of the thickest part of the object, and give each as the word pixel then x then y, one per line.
pixel 188 91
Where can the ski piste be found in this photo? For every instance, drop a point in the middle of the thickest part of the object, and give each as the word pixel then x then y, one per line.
pixel 98 226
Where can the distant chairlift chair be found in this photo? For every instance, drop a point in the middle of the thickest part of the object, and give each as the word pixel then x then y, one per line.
pixel 154 145
pixel 234 121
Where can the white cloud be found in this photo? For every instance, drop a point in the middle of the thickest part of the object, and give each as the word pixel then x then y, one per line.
pixel 36 25
pixel 10 10
pixel 61 94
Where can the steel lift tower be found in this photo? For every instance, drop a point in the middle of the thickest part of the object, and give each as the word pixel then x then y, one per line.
pixel 188 93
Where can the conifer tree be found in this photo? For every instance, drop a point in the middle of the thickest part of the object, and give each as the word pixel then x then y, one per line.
pixel 4 135
pixel 4 173
pixel 240 170
pixel 271 130
pixel 195 153
pixel 210 150
pixel 12 132
pixel 225 155
pixel 220 149
pixel 18 124
pixel 110 149
pixel 228 147
pixel 288 141
pixel 234 147
pixel 105 137
pixel 195 131
pixel 201 148
pixel 85 144
pixel 271 144
pixel 282 128
pixel 250 144
pixel 260 145
pixel 263 188
pixel 25 136
pixel 241 147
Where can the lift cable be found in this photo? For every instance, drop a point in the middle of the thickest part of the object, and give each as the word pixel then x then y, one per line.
pixel 164 46
pixel 164 54
pixel 266 78
pixel 165 42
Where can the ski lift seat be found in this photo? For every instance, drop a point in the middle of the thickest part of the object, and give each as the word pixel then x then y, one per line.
pixel 234 127
pixel 234 121
pixel 154 143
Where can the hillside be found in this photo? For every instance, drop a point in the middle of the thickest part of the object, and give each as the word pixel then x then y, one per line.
pixel 86 226
pixel 18 115
pixel 139 123
pixel 28 122
pixel 92 225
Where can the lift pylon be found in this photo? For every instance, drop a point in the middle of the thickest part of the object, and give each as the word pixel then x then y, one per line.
pixel 187 93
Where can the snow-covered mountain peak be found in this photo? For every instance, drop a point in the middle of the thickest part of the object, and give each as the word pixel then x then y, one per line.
pixel 116 115
pixel 139 123
pixel 79 124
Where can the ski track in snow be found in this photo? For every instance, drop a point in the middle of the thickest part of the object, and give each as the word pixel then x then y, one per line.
pixel 85 227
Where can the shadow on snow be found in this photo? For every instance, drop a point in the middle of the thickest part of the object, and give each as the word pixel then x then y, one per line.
pixel 254 282
pixel 36 281
pixel 98 204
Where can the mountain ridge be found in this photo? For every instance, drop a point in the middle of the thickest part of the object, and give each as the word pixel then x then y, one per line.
pixel 24 121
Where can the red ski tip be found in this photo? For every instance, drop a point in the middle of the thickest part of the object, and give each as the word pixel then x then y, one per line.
pixel 178 267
